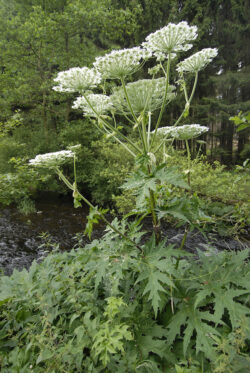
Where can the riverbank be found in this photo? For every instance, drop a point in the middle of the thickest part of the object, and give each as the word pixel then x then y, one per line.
pixel 21 241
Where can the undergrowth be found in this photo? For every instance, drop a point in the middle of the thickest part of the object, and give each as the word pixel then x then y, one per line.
pixel 109 307
pixel 221 195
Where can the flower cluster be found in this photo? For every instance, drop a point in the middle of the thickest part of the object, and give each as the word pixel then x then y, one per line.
pixel 51 160
pixel 169 39
pixel 77 79
pixel 197 61
pixel 95 105
pixel 144 95
pixel 120 63
pixel 185 132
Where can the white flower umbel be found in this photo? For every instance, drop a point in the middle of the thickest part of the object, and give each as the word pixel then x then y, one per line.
pixel 77 79
pixel 170 39
pixel 144 95
pixel 120 63
pixel 197 61
pixel 166 131
pixel 185 132
pixel 100 104
pixel 51 160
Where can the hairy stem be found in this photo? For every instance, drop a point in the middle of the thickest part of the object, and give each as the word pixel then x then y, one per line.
pixel 189 161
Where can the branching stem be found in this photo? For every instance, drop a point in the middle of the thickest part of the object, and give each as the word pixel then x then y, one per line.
pixel 73 188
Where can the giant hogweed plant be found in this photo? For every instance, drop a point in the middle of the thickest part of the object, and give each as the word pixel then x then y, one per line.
pixel 136 102
pixel 104 308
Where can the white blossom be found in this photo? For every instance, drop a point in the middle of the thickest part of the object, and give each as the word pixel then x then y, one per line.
pixel 77 79
pixel 185 132
pixel 170 39
pixel 101 104
pixel 120 63
pixel 197 61
pixel 51 160
pixel 144 95
pixel 163 56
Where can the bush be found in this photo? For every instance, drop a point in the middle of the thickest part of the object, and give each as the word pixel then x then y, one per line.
pixel 109 307
pixel 107 170
pixel 221 194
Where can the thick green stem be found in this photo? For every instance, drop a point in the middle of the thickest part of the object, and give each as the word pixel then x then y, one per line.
pixel 184 111
pixel 156 223
pixel 164 99
pixel 149 129
pixel 144 135
pixel 189 161
pixel 128 100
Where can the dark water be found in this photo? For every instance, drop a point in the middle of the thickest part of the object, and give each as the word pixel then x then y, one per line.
pixel 20 243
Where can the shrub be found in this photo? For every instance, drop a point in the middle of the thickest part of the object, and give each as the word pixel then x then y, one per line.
pixel 108 307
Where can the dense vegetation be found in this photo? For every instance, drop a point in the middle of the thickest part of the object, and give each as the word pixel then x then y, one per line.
pixel 130 301
pixel 38 38
pixel 107 308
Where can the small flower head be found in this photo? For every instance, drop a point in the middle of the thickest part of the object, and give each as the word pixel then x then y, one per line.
pixel 120 63
pixel 144 95
pixel 170 39
pixel 185 132
pixel 51 160
pixel 77 79
pixel 197 61
pixel 99 104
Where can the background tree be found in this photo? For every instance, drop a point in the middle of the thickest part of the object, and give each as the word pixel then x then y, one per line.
pixel 38 38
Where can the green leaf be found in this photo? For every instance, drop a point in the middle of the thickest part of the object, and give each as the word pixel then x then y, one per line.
pixel 44 355
pixel 149 344
pixel 172 176
pixel 95 215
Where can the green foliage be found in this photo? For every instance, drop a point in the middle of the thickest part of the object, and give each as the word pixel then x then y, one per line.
pixel 20 185
pixel 26 206
pixel 11 124
pixel 93 217
pixel 242 121
pixel 106 169
pixel 218 200
pixel 142 183
pixel 103 307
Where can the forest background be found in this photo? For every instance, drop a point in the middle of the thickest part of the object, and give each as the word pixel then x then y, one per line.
pixel 39 38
